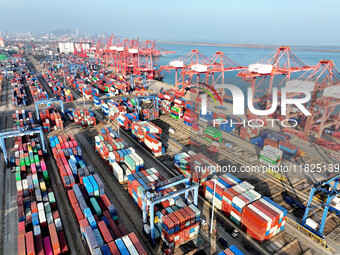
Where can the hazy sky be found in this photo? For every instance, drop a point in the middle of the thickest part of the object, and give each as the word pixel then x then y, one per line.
pixel 248 21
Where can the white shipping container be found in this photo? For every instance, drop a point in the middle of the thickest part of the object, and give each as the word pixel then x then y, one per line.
pixel 260 68
pixel 19 186
pixel 129 245
pixel 199 68
pixel 238 201
pixel 176 63
pixel 248 185
pixel 311 223
pixel 273 150
pixel 40 206
pixel 235 216
pixel 256 194
pixel 332 91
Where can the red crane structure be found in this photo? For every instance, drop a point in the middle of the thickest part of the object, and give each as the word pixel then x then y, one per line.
pixel 131 57
pixel 324 82
pixel 281 62
pixel 218 63
pixel 149 46
pixel 33 46
pixel 187 61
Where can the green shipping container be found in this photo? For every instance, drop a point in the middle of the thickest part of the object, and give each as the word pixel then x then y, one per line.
pixel 268 159
pixel 22 161
pixel 47 207
pixel 46 178
pixel 27 161
pixel 36 158
pixel 18 176
pixel 175 109
pixel 95 206
pixel 175 117
pixel 51 197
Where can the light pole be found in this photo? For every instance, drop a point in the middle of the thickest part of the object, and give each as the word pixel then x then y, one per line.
pixel 84 96
pixel 213 205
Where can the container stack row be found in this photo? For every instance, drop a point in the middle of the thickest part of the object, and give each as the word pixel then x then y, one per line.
pixel 58 89
pixel 244 206
pixel 150 114
pixel 125 120
pixel 40 229
pixel 51 119
pixel 196 166
pixel 84 118
pixel 19 97
pixel 115 151
pixel 181 226
pixel 35 87
pixel 96 215
pixel 84 89
pixel 22 119
pixel 113 109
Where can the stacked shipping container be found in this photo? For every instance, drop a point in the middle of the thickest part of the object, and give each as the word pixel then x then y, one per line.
pixel 84 118
pixel 40 227
pixel 97 217
pixel 51 119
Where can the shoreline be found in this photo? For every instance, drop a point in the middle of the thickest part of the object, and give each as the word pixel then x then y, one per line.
pixel 258 46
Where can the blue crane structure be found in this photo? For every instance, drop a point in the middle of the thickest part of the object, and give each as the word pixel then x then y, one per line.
pixel 329 188
pixel 153 97
pixel 48 102
pixel 8 133
pixel 132 83
pixel 152 196
pixel 12 69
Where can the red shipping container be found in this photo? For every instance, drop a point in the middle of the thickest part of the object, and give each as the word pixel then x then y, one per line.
pixel 115 229
pixel 54 239
pixel 113 248
pixel 29 243
pixel 21 245
pixel 105 232
pixel 72 197
pixel 62 242
pixel 21 228
pixel 77 211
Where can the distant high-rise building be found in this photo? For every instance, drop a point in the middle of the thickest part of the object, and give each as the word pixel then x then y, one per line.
pixel 77 32
pixel 2 43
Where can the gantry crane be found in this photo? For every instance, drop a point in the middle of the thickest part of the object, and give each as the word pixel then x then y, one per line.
pixel 8 133
pixel 153 196
pixel 282 62
pixel 155 49
pixel 153 97
pixel 328 188
pixel 192 58
pixel 48 102
pixel 132 82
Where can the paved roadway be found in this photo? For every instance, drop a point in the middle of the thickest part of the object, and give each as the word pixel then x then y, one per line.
pixel 9 211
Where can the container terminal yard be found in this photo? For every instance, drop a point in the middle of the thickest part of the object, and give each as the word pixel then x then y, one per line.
pixel 100 156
